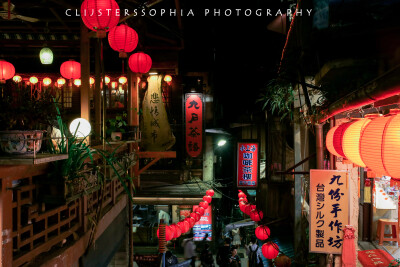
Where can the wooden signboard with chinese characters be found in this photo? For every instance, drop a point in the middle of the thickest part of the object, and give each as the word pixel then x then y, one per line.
pixel 194 124
pixel 247 164
pixel 329 210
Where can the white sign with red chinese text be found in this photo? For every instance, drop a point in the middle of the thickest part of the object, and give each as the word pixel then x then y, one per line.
pixel 329 210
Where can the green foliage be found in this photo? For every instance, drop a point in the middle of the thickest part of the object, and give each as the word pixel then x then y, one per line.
pixel 21 111
pixel 117 124
pixel 278 97
pixel 394 263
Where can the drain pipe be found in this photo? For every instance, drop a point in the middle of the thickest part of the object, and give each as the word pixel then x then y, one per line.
pixel 384 86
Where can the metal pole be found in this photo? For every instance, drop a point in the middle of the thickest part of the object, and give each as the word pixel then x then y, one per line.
pixel 319 134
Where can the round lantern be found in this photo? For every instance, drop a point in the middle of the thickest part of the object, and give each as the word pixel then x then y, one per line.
pixel 60 81
pixel 71 69
pixel 256 215
pixel 114 85
pixel 210 192
pixel 17 78
pixel 242 195
pixel 380 144
pixel 100 15
pixel 46 81
pixel 185 226
pixel 249 208
pixel 33 80
pixel 351 139
pixel 167 78
pixel 203 204
pixel 168 233
pixel 200 211
pixel 191 221
pixel 207 199
pixel 196 216
pixel 80 127
pixel 122 80
pixel 123 39
pixel 91 80
pixel 178 231
pixel 243 199
pixel 140 62
pixel 270 250
pixel 107 79
pixel 242 206
pixel 77 82
pixel 262 232
pixel 282 261
pixel 7 71
pixel 334 139
pixel 46 56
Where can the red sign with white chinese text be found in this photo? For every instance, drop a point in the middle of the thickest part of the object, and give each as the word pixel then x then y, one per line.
pixel 247 164
pixel 194 123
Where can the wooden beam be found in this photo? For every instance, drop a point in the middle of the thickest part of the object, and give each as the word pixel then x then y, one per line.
pixel 60 20
pixel 148 165
pixel 157 154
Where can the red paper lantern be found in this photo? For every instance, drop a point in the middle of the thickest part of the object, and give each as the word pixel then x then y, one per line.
pixel 334 139
pixel 380 144
pixel 200 211
pixel 203 204
pixel 185 226
pixel 168 233
pixel 100 15
pixel 71 69
pixel 210 192
pixel 249 208
pixel 207 199
pixel 243 199
pixel 123 39
pixel 196 216
pixel 262 232
pixel 140 62
pixel 191 222
pixel 7 71
pixel 178 231
pixel 242 195
pixel 256 215
pixel 270 250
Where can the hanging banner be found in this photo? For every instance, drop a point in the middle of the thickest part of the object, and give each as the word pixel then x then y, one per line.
pixel 329 210
pixel 247 164
pixel 194 124
pixel 203 226
pixel 156 130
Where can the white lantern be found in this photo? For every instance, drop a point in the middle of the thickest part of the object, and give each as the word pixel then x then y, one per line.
pixel 46 56
pixel 80 128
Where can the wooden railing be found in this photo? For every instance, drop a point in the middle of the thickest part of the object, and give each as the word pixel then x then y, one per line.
pixel 30 227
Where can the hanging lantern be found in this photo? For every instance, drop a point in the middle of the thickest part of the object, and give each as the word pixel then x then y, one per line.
pixel 91 80
pixel 123 39
pixel 191 221
pixel 107 79
pixel 33 80
pixel 7 71
pixel 61 81
pixel 263 232
pixel 122 80
pixel 203 204
pixel 208 199
pixel 351 139
pixel 184 226
pixel 270 250
pixel 334 139
pixel 46 81
pixel 210 192
pixel 77 82
pixel 243 199
pixel 249 208
pixel 100 15
pixel 140 62
pixel 178 231
pixel 114 85
pixel 168 233
pixel 282 261
pixel 17 78
pixel 200 211
pixel 71 69
pixel 380 144
pixel 256 215
pixel 195 216
pixel 168 78
pixel 46 56
pixel 241 194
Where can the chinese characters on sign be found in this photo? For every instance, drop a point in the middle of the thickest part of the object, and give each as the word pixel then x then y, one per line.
pixel 329 210
pixel 194 124
pixel 247 164
pixel 203 226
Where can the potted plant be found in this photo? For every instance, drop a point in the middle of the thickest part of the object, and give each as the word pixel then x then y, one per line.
pixel 24 116
pixel 116 127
